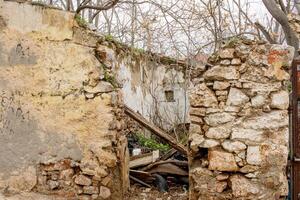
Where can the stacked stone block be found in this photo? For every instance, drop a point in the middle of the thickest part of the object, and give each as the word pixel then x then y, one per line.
pixel 238 143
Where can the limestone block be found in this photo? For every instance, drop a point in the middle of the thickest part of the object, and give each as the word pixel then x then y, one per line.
pixel 219 132
pixel 221 85
pixel 213 110
pixel 254 155
pixel 221 93
pixel 278 57
pixel 82 180
pixel 249 168
pixel 247 135
pixel 242 187
pixel 201 95
pixel 196 120
pixel 221 73
pixel 236 97
pixel 262 87
pixel 104 192
pixel 280 100
pixel 196 141
pixel 195 128
pixel 233 146
pixel 90 190
pixel 225 62
pixel 271 120
pixel 221 161
pixel 236 61
pixel 209 143
pixel 198 111
pixel 258 101
pixel 216 119
pixel 227 53
pixel 233 109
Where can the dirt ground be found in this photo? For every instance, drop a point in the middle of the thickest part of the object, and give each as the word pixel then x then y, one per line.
pixel 141 193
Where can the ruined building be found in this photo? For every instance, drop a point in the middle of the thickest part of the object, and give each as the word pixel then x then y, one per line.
pixel 63 91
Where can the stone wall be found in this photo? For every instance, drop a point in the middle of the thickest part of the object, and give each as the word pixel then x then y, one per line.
pixel 60 117
pixel 238 144
pixel 62 92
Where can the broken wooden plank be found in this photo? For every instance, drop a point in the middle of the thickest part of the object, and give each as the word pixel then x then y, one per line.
pixel 156 130
pixel 144 176
pixel 139 181
pixel 144 159
pixel 176 162
pixel 168 155
pixel 168 168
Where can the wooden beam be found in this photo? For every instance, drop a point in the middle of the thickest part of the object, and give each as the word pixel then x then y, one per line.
pixel 176 162
pixel 144 159
pixel 156 130
pixel 140 181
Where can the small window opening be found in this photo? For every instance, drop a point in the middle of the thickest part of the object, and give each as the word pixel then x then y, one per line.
pixel 169 94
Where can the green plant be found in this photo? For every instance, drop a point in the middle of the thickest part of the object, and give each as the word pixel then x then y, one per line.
pixel 109 38
pixel 152 143
pixel 81 22
pixel 110 78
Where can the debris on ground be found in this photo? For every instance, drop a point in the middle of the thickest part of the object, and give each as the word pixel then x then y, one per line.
pixel 139 193
pixel 157 170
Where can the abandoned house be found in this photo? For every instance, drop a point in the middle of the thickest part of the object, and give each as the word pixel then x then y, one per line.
pixel 70 96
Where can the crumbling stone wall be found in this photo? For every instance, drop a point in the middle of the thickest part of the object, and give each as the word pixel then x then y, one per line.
pixel 238 144
pixel 60 117
pixel 62 92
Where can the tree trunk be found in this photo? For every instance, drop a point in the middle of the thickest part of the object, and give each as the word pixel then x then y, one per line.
pixel 280 16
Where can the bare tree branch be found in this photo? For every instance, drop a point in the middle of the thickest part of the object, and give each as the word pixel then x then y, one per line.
pixel 297 5
pixel 281 17
pixel 106 6
pixel 265 33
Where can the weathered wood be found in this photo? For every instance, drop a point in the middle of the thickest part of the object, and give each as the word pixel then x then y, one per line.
pixel 144 176
pixel 176 162
pixel 139 181
pixel 168 155
pixel 144 159
pixel 157 131
pixel 168 168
